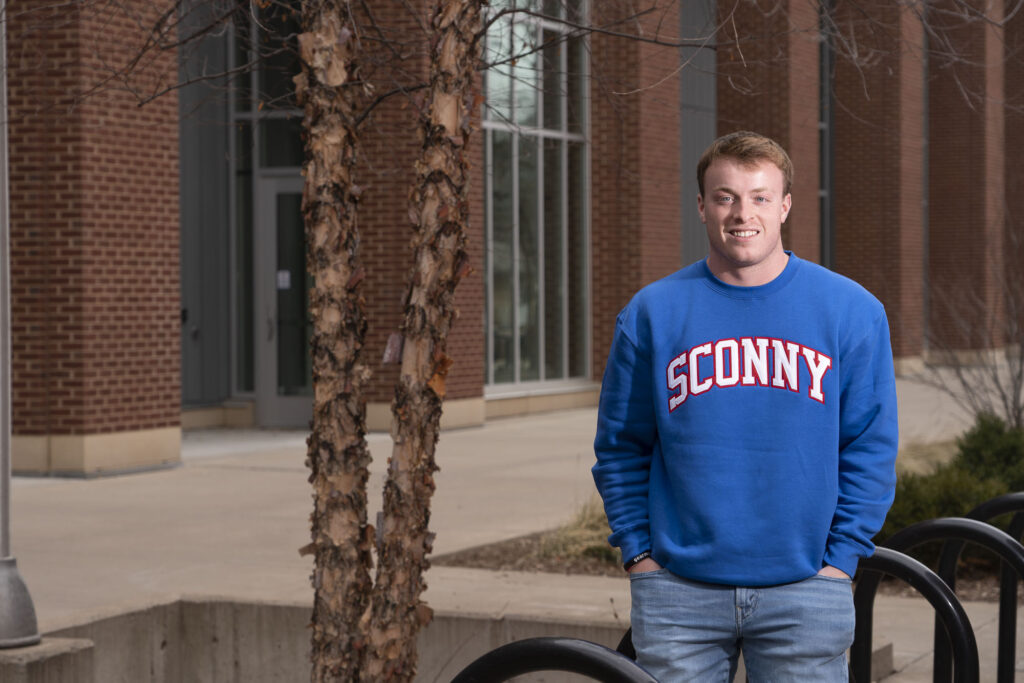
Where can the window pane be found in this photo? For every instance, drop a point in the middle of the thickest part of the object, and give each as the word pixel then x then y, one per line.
pixel 554 284
pixel 526 72
pixel 242 83
pixel 536 256
pixel 576 60
pixel 575 10
pixel 553 88
pixel 278 44
pixel 294 372
pixel 281 142
pixel 501 254
pixel 578 361
pixel 529 260
pixel 243 258
pixel 499 78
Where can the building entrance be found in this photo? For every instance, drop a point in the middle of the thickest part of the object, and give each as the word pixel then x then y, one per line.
pixel 284 386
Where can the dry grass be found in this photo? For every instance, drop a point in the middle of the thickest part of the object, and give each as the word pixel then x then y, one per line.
pixel 586 535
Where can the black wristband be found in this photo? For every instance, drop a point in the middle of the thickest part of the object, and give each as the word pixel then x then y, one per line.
pixel 636 560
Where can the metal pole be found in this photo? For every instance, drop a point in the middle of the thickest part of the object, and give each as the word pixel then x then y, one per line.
pixel 17 614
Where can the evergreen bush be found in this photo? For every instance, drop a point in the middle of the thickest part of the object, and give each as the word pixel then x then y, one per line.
pixel 989 462
pixel 993 450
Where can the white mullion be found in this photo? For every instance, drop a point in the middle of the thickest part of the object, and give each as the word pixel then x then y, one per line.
pixel 541 298
pixel 514 148
pixel 563 67
pixel 564 158
pixel 515 257
pixel 538 41
pixel 489 249
pixel 538 37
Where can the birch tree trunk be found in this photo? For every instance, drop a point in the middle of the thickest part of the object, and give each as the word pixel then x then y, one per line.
pixel 438 209
pixel 337 453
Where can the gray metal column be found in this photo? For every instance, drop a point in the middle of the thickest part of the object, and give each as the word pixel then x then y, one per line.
pixel 205 167
pixel 17 614
pixel 699 117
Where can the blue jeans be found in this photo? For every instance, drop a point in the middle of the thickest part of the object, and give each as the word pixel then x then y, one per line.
pixel 689 631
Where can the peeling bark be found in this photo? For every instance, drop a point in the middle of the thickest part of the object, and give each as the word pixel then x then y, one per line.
pixel 337 453
pixel 439 210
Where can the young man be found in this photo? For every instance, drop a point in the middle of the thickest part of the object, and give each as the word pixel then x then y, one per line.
pixel 746 441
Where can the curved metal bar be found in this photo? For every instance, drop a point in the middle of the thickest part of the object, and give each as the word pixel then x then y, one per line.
pixel 951 550
pixel 947 608
pixel 1000 505
pixel 553 654
pixel 1008 580
pixel 955 531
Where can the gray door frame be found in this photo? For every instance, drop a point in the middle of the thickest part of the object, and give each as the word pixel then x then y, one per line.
pixel 272 409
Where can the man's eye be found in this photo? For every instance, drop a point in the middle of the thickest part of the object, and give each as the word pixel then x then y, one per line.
pixel 761 200
pixel 725 199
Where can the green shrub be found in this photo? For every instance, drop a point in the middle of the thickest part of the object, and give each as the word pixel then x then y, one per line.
pixel 989 462
pixel 993 450
pixel 950 491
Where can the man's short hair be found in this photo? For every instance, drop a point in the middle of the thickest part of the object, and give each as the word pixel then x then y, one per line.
pixel 748 149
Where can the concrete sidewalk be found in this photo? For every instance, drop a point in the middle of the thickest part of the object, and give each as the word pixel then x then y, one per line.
pixel 228 524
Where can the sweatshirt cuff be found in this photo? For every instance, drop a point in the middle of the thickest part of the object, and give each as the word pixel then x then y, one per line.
pixel 844 554
pixel 632 542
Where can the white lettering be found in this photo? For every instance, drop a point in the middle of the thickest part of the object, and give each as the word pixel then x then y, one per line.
pixel 697 386
pixel 677 382
pixel 817 364
pixel 755 360
pixel 721 379
pixel 728 356
pixel 786 372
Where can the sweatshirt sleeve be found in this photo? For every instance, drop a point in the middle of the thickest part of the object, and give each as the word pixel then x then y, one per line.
pixel 868 443
pixel 625 440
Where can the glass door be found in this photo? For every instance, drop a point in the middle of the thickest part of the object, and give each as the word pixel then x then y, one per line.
pixel 284 384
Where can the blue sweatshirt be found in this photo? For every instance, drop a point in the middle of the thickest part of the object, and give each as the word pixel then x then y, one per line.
pixel 748 435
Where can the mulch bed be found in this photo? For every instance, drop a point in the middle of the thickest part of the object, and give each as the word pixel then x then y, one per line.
pixel 523 554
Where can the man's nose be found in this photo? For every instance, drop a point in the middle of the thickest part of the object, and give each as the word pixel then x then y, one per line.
pixel 742 209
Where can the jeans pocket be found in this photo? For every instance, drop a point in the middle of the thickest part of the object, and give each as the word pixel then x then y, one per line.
pixel 636 576
pixel 840 580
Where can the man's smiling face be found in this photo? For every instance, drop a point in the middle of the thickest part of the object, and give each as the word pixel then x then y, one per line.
pixel 743 209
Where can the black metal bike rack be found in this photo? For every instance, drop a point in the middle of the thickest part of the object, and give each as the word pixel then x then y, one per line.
pixel 954 532
pixel 948 611
pixel 1008 578
pixel 553 654
pixel 954 634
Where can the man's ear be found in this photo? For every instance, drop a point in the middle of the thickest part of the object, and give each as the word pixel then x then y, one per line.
pixel 787 204
pixel 700 207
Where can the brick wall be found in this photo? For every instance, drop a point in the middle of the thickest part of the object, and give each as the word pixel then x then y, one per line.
pixel 634 186
pixel 390 145
pixel 94 223
pixel 879 166
pixel 768 82
pixel 1013 170
pixel 966 183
